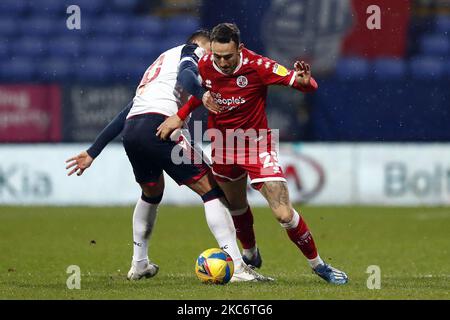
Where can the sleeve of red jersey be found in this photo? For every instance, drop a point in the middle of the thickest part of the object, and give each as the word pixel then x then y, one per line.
pixel 192 104
pixel 272 72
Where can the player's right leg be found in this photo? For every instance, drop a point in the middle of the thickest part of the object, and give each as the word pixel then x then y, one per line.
pixel 277 195
pixel 236 194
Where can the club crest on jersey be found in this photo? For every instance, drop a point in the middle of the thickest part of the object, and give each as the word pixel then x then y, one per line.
pixel 208 83
pixel 242 81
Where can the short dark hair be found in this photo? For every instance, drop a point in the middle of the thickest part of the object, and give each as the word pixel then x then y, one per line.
pixel 225 32
pixel 200 33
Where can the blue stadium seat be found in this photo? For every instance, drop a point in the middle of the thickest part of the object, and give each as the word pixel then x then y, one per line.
pixel 182 25
pixel 8 27
pixel 128 70
pixel 13 8
pixel 38 27
pixel 125 5
pixel 426 68
pixel 139 47
pixel 64 47
pixel 388 68
pixel 171 42
pixel 89 7
pixel 352 69
pixel 443 24
pixel 87 27
pixel 29 46
pixel 113 25
pixel 55 70
pixel 437 45
pixel 147 26
pixel 93 70
pixel 447 68
pixel 4 49
pixel 102 47
pixel 48 8
pixel 18 69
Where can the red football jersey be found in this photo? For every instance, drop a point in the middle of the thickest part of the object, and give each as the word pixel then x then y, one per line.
pixel 242 95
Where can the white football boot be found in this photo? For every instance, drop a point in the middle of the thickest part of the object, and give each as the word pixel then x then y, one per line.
pixel 148 270
pixel 248 274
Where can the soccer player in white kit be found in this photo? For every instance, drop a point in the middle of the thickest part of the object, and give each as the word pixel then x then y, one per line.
pixel 166 86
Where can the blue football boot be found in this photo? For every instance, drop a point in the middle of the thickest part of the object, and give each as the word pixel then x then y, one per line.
pixel 330 274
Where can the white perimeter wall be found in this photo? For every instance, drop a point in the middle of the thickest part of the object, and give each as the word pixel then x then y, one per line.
pixel 338 174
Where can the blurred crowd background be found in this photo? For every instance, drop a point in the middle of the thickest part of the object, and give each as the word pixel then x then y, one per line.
pixel 390 84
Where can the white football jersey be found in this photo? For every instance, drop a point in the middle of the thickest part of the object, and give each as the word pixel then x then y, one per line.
pixel 158 91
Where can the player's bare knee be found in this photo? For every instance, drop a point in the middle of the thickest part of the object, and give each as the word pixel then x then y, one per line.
pixel 284 216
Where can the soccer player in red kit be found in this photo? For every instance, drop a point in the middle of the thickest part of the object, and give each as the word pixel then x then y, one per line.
pixel 238 79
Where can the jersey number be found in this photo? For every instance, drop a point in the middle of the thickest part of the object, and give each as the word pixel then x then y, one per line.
pixel 270 160
pixel 151 73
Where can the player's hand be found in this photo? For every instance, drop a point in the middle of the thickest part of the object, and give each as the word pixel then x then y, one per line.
pixel 209 103
pixel 80 163
pixel 302 73
pixel 166 128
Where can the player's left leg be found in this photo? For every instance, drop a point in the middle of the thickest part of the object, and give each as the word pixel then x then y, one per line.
pixel 277 195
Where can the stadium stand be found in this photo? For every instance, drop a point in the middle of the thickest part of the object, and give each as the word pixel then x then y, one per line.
pixel 36 45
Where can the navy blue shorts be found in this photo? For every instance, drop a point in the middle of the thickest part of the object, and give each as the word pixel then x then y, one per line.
pixel 150 156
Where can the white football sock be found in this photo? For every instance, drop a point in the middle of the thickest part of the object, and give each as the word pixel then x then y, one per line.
pixel 143 220
pixel 221 225
pixel 251 252
pixel 315 262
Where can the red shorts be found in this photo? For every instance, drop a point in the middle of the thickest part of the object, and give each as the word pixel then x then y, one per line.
pixel 258 161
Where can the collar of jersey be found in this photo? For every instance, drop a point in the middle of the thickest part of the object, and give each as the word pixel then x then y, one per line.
pixel 236 70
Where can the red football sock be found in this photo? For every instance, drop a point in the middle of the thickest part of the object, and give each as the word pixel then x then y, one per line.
pixel 244 228
pixel 303 239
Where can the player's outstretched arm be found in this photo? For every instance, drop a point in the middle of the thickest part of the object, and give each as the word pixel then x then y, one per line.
pixel 112 130
pixel 79 163
pixel 83 160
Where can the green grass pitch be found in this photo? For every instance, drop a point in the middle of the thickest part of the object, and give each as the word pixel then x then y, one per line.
pixel 37 244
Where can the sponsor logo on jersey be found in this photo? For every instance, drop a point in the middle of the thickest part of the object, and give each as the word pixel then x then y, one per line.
pixel 280 70
pixel 229 103
pixel 242 81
